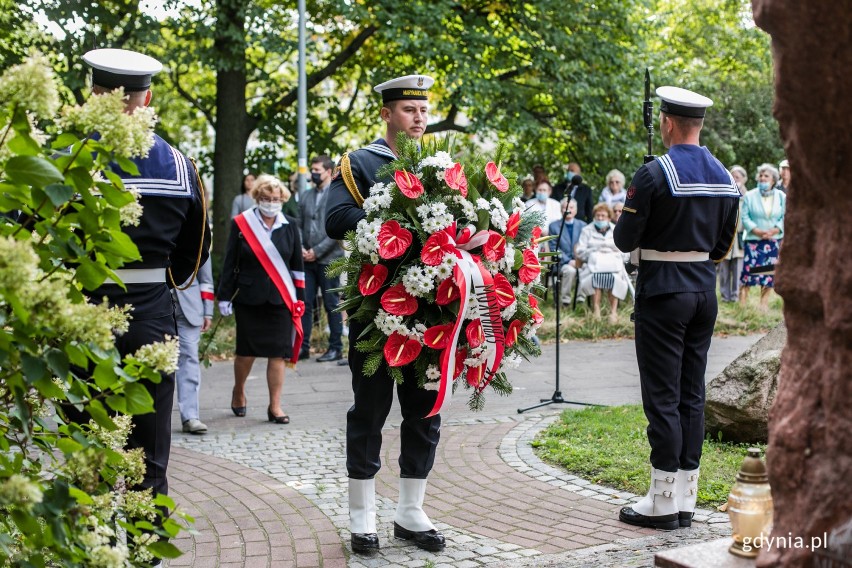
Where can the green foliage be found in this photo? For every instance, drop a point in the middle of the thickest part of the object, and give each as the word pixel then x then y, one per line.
pixel 66 489
pixel 609 446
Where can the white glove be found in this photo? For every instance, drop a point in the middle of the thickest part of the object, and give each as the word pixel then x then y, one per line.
pixel 226 308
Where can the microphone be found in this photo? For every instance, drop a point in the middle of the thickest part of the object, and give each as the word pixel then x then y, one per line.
pixel 577 179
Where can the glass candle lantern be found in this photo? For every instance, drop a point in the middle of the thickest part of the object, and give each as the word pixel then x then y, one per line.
pixel 750 506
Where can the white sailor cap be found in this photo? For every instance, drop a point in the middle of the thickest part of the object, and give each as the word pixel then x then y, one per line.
pixel 681 102
pixel 784 164
pixel 113 68
pixel 409 87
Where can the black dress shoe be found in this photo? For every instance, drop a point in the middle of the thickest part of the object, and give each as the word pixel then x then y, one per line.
pixel 430 540
pixel 662 522
pixel 365 543
pixel 304 354
pixel 343 363
pixel 330 355
pixel 685 518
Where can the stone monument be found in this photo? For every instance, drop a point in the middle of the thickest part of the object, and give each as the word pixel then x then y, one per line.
pixel 810 428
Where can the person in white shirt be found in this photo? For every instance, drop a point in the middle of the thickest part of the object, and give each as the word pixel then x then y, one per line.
pixel 547 205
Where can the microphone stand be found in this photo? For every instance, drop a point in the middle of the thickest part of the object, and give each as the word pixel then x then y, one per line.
pixel 556 398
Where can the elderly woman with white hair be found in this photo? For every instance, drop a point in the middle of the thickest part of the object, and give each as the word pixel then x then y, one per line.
pixel 614 191
pixel 762 216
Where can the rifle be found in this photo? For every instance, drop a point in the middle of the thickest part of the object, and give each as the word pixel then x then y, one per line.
pixel 647 115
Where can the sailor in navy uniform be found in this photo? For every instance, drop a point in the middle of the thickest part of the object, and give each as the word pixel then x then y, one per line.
pixel 681 214
pixel 404 110
pixel 173 239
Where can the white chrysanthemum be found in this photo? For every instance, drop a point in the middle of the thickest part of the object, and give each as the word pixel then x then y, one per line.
pixel 517 204
pixel 416 282
pixel 499 217
pixel 388 323
pixel 433 373
pixel 512 361
pixel 449 261
pixel 431 272
pixel 483 204
pixel 432 385
pixel 508 261
pixel 367 235
pixel 472 309
pixel 32 86
pixel 162 355
pixel 434 217
pixel 468 210
pixel 509 310
pixel 379 199
pixel 441 160
pixel 417 332
pixel 477 356
pixel 442 272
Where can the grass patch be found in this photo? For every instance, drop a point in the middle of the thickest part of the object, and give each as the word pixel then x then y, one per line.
pixel 608 446
pixel 579 325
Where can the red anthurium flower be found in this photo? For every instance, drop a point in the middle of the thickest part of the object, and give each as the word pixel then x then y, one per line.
pixel 514 330
pixel 463 236
pixel 393 240
pixel 461 355
pixel 447 292
pixel 503 290
pixel 456 179
pixel 475 375
pixel 531 268
pixel 495 247
pixel 435 247
pixel 372 278
pixel 439 336
pixel 396 301
pixel 408 184
pixel 498 180
pixel 401 350
pixel 474 333
pixel 536 235
pixel 513 224
pixel 538 317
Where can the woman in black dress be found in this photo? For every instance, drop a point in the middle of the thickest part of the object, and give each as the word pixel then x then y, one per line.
pixel 264 322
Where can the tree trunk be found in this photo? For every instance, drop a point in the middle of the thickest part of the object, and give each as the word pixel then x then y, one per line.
pixel 810 429
pixel 233 123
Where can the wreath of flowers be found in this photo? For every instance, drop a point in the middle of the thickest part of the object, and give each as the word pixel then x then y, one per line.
pixel 445 270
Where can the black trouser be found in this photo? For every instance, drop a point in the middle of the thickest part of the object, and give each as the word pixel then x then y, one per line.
pixel 315 279
pixel 673 333
pixel 153 431
pixel 373 398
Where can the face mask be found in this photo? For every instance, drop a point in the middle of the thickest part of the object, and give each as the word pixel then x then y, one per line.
pixel 269 209
pixel 601 224
pixel 541 196
pixel 569 175
pixel 316 178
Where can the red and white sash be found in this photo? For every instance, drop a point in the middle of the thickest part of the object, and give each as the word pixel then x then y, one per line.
pixel 274 266
pixel 471 277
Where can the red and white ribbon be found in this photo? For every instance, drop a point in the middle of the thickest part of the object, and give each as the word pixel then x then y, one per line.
pixel 274 266
pixel 471 277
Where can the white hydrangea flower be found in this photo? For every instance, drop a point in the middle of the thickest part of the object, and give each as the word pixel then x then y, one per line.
pixel 32 86
pixel 20 490
pixel 162 355
pixel 131 214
